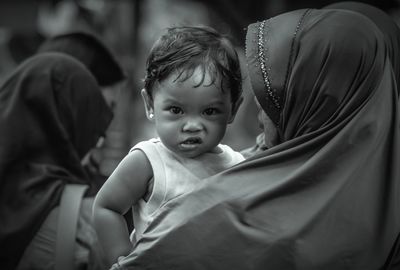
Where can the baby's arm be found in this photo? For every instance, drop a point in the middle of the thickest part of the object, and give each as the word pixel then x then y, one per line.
pixel 126 185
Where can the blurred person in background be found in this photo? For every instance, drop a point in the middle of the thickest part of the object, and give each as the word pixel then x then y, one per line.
pixel 110 76
pixel 52 113
pixel 103 65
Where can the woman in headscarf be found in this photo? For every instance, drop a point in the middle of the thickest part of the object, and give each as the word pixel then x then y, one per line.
pixel 109 74
pixel 51 113
pixel 327 195
pixel 391 33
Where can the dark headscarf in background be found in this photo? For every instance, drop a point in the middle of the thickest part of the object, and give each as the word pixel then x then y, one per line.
pixel 385 23
pixel 88 49
pixel 51 113
pixel 328 196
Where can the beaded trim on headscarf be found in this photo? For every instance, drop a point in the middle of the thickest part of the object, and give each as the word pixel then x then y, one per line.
pixel 262 60
pixel 292 45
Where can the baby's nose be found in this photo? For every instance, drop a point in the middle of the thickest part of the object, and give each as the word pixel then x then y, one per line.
pixel 192 125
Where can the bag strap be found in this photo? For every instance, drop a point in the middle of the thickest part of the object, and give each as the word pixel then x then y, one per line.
pixel 70 205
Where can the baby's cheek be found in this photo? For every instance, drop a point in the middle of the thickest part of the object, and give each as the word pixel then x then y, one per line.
pixel 167 131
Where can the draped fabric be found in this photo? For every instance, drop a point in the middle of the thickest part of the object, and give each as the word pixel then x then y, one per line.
pixel 328 196
pixel 384 22
pixel 89 50
pixel 51 113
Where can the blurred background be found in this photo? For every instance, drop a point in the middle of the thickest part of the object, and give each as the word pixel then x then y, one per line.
pixel 129 28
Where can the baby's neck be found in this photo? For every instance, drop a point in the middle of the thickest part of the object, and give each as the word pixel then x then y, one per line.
pixel 216 150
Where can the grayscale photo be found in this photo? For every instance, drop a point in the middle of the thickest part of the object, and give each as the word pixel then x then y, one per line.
pixel 199 135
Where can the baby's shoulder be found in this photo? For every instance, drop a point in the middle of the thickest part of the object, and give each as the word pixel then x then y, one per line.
pixel 153 142
pixel 229 151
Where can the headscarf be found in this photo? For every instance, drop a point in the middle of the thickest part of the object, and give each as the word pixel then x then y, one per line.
pixel 51 113
pixel 91 51
pixel 328 196
pixel 388 26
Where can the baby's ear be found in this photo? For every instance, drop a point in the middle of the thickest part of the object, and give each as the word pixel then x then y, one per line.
pixel 235 108
pixel 148 104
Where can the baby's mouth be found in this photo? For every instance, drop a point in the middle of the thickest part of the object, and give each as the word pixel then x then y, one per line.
pixel 194 140
pixel 191 143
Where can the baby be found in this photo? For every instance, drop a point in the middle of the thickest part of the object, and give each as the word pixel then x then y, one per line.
pixel 192 92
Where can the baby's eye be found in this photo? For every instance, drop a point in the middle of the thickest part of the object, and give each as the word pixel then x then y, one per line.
pixel 175 110
pixel 211 111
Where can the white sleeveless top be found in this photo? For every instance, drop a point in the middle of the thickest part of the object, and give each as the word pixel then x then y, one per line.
pixel 174 175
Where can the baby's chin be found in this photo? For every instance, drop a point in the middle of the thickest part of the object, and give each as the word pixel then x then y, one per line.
pixel 193 153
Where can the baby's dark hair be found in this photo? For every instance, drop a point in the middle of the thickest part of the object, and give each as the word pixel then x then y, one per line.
pixel 183 49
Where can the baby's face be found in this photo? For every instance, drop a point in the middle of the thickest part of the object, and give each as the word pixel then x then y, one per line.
pixel 191 120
